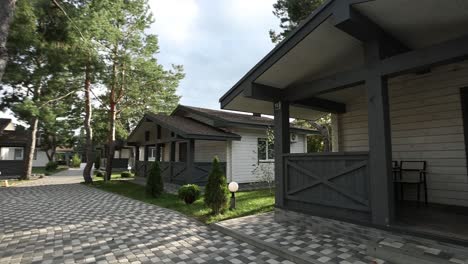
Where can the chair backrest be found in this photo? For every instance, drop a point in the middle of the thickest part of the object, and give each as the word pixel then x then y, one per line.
pixel 413 165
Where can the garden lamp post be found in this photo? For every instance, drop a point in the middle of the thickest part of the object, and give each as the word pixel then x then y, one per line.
pixel 233 187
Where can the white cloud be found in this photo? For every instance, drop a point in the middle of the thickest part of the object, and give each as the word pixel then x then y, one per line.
pixel 174 19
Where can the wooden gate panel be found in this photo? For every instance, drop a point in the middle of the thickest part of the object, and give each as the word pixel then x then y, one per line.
pixel 335 180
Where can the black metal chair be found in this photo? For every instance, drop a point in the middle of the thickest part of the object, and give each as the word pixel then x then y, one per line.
pixel 411 173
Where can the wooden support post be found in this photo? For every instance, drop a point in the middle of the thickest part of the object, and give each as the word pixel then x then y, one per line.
pixel 145 159
pixel 137 160
pixel 190 161
pixel 172 160
pixel 380 142
pixel 282 146
pixel 158 153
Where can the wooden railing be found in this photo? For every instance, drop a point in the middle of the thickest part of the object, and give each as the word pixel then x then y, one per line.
pixel 11 168
pixel 337 183
pixel 175 172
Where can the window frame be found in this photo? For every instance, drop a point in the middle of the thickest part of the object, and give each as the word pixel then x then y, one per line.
pixel 268 146
pixel 22 153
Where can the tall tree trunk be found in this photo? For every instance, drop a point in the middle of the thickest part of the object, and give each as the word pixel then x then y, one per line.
pixel 111 141
pixel 89 131
pixel 6 14
pixel 30 149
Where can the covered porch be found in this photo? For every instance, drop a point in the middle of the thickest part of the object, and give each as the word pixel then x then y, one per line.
pixel 395 94
pixel 183 147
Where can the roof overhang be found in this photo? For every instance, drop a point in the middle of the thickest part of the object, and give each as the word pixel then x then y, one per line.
pixel 326 53
pixel 133 138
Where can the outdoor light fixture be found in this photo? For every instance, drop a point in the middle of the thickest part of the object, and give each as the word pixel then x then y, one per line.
pixel 233 187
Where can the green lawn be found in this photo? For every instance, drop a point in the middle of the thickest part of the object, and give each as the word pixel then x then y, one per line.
pixel 248 203
pixel 42 170
pixel 114 176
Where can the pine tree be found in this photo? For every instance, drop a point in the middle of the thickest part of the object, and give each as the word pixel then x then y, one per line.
pixel 216 190
pixel 155 184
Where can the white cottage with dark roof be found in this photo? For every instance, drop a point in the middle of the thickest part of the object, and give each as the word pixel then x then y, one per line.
pixel 186 141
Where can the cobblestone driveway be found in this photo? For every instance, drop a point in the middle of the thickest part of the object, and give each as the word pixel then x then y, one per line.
pixel 72 223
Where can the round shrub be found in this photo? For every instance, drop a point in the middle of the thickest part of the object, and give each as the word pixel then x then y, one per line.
pixel 51 166
pixel 189 193
pixel 76 161
pixel 126 174
pixel 216 190
pixel 99 173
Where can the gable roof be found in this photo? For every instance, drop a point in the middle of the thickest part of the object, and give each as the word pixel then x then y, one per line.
pixel 187 127
pixel 230 118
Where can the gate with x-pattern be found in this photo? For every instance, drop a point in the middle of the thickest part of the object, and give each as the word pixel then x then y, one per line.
pixel 328 183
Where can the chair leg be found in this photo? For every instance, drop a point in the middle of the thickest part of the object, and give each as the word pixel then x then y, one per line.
pixel 419 194
pixel 425 193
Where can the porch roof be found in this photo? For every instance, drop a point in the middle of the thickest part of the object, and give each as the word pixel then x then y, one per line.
pixel 185 127
pixel 326 53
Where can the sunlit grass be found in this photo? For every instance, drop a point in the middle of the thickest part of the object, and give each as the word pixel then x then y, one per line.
pixel 248 203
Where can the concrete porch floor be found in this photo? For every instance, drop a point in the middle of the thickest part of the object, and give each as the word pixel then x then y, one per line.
pixel 442 220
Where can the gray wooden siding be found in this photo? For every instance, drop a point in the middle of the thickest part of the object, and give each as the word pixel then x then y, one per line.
pixel 426 118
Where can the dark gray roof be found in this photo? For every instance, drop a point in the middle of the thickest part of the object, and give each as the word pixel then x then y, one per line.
pixel 230 116
pixel 190 128
pixel 237 118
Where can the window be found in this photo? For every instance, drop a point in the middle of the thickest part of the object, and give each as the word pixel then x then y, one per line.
pixel 152 152
pixel 18 154
pixel 265 150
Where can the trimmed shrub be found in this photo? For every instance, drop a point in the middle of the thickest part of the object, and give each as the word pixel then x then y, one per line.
pixel 75 161
pixel 99 173
pixel 216 190
pixel 154 184
pixel 97 162
pixel 51 166
pixel 189 193
pixel 126 174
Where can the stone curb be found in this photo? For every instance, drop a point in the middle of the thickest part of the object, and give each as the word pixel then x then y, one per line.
pixel 270 247
pixel 403 256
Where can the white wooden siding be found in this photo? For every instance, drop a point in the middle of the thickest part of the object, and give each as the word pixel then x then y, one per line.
pixel 41 159
pixel 244 154
pixel 426 119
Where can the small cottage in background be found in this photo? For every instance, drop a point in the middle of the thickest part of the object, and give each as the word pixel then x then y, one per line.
pixel 186 141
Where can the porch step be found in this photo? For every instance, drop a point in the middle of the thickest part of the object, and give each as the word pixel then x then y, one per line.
pixel 416 253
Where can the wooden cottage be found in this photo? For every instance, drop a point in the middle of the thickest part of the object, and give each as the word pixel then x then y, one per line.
pixel 393 73
pixel 186 142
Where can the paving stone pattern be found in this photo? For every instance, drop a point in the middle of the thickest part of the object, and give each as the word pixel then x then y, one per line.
pixel 73 223
pixel 322 247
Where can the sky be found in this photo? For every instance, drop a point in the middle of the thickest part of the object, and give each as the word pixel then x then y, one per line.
pixel 217 42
